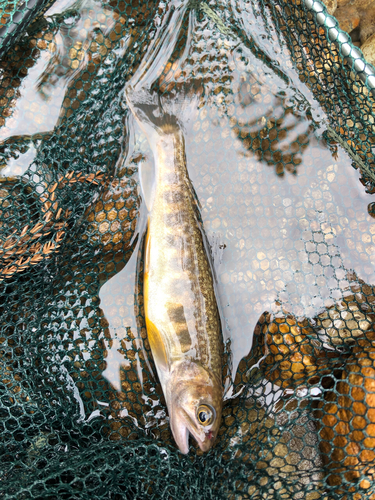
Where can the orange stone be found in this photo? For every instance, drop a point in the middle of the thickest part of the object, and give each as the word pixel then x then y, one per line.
pixel 367 455
pixel 359 409
pixel 358 393
pixel 369 385
pixel 369 443
pixel 342 428
pixel 352 449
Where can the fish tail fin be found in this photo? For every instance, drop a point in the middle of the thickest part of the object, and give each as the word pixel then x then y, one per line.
pixel 175 107
pixel 163 113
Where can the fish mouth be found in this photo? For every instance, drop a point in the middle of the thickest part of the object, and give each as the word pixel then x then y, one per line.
pixel 182 440
pixel 182 427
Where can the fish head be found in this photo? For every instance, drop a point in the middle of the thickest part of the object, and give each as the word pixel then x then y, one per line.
pixel 194 399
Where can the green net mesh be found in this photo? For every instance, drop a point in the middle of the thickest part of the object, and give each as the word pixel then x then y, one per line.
pixel 283 120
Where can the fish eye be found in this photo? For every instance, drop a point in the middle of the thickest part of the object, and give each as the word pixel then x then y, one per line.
pixel 205 415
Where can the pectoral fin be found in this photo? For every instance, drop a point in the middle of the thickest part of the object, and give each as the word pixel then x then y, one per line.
pixel 157 346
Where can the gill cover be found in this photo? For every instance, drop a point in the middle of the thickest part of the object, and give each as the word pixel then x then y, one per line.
pixel 194 399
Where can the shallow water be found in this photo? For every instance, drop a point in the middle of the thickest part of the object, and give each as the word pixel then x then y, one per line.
pixel 279 242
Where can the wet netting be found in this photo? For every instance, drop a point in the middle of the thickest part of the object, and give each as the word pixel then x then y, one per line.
pixel 280 156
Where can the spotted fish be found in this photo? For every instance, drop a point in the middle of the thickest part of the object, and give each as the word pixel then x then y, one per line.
pixel 182 318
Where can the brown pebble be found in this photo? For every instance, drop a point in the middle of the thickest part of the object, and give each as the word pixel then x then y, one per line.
pixel 348 18
pixel 331 5
pixel 349 449
pixel 368 49
pixel 361 4
pixel 367 26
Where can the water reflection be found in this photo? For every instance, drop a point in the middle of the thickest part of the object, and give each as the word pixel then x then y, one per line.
pixel 289 240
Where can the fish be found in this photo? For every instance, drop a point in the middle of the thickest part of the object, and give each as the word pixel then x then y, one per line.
pixel 181 312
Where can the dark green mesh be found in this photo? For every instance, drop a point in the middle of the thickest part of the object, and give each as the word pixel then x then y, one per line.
pixel 289 219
